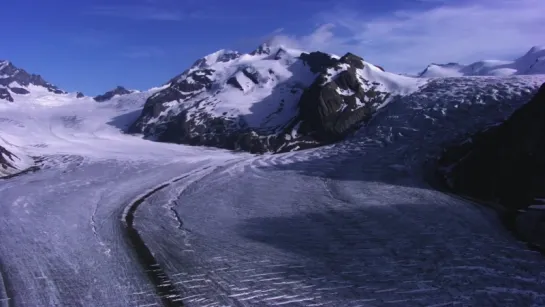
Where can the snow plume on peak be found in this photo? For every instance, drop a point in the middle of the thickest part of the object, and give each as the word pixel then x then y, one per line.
pixel 264 48
pixel 531 63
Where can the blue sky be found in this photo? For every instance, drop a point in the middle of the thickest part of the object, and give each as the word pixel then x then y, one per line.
pixel 92 46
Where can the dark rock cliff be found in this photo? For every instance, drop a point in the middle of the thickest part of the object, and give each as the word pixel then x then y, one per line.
pixel 505 164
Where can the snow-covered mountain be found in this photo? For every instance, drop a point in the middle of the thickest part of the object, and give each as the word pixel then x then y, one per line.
pixel 271 99
pixel 533 62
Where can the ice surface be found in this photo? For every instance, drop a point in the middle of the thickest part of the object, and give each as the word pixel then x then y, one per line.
pixel 63 243
pixel 350 224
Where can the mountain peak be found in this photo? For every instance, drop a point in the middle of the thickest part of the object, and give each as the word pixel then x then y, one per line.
pixel 272 99
pixel 4 63
pixel 15 80
pixel 263 49
pixel 222 55
pixel 270 48
pixel 117 91
pixel 536 49
pixel 120 88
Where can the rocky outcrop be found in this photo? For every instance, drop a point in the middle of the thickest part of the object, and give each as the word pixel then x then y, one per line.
pixel 5 95
pixel 504 163
pixel 79 95
pixel 6 159
pixel 18 80
pixel 118 91
pixel 339 100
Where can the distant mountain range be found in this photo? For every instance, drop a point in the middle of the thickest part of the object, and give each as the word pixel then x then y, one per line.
pixel 531 63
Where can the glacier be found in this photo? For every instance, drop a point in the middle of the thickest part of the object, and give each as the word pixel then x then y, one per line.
pixel 349 224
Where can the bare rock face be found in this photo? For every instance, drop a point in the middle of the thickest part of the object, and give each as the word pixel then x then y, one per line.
pixel 530 226
pixel 334 106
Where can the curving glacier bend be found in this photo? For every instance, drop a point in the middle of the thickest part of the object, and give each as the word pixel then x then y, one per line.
pixel 352 224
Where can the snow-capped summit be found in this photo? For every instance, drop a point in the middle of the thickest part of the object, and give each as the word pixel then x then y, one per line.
pixel 530 63
pixel 271 99
pixel 15 81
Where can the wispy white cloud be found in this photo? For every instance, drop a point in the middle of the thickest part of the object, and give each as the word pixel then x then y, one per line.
pixel 408 40
pixel 322 38
pixel 137 12
pixel 144 52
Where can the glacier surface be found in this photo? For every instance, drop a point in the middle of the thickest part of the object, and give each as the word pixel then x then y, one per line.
pixel 351 224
